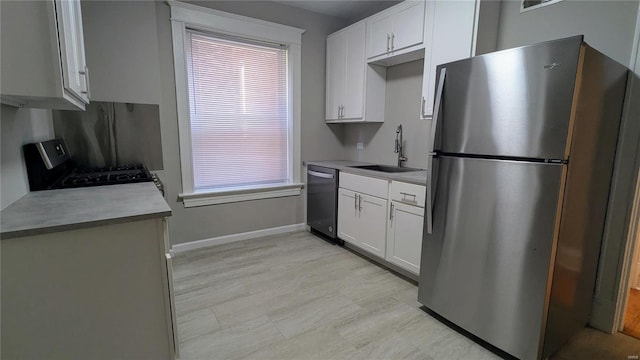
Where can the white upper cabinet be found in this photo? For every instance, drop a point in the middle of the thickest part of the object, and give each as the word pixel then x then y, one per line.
pixel 380 28
pixel 352 107
pixel 408 26
pixel 439 31
pixel 336 70
pixel 457 30
pixel 71 37
pixel 354 89
pixel 396 31
pixel 43 61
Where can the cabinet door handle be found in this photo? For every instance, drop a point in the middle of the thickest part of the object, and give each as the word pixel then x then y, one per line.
pixel 388 39
pixel 393 36
pixel 391 212
pixel 340 111
pixel 85 72
pixel 355 201
pixel 404 196
pixel 359 202
pixel 424 102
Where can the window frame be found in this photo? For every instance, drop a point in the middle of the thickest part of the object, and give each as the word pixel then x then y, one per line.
pixel 187 16
pixel 537 6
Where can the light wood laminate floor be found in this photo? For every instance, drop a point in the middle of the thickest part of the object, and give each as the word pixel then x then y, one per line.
pixel 296 296
pixel 632 315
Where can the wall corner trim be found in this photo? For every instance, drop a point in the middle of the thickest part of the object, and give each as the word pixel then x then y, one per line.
pixel 634 62
pixel 198 244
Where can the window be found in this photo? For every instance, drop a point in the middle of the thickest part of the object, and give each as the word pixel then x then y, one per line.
pixel 237 89
pixel 527 5
pixel 238 111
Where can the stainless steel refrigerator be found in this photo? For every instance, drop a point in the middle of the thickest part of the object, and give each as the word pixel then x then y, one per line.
pixel 519 179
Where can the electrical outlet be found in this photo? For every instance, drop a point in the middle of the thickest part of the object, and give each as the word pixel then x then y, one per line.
pixel 359 146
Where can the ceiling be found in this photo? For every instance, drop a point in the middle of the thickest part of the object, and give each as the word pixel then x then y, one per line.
pixel 346 9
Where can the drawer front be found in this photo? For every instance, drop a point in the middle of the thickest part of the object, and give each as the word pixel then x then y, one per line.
pixel 406 193
pixel 366 185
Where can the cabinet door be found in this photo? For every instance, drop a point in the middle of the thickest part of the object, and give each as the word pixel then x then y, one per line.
pixel 71 38
pixel 171 303
pixel 372 224
pixel 348 214
pixel 408 25
pixel 379 30
pixel 453 32
pixel 354 74
pixel 404 236
pixel 336 71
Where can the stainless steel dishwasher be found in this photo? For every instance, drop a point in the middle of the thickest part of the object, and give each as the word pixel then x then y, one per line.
pixel 322 200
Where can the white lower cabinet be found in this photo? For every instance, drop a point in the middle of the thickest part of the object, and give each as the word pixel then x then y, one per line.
pixel 348 215
pixel 372 224
pixel 99 292
pixel 170 303
pixel 361 221
pixel 404 236
pixel 383 218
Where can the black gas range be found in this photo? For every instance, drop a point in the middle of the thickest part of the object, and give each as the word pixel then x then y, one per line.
pixel 105 176
pixel 49 166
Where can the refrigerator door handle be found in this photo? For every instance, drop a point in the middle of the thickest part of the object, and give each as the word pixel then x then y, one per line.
pixel 428 205
pixel 436 109
pixel 432 137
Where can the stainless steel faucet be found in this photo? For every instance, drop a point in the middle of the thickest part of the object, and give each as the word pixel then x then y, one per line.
pixel 398 148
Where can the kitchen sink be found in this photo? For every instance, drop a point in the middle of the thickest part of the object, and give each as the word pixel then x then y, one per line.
pixel 385 168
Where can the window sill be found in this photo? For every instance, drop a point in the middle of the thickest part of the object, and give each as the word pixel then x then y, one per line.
pixel 204 198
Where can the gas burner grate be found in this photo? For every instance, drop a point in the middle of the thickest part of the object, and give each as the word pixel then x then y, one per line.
pixel 105 176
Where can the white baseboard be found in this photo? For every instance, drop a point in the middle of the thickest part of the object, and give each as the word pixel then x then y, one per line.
pixel 192 245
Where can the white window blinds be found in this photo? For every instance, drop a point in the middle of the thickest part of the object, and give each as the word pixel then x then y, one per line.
pixel 238 100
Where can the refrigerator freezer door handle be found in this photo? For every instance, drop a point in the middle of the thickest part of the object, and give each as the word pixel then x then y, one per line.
pixel 436 109
pixel 434 124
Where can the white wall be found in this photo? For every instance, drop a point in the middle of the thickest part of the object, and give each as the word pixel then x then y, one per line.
pixel 19 127
pixel 608 26
pixel 402 107
pixel 635 276
pixel 130 43
pixel 122 51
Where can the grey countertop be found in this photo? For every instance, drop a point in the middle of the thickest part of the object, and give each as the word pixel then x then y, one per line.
pixel 336 164
pixel 48 211
pixel 413 177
